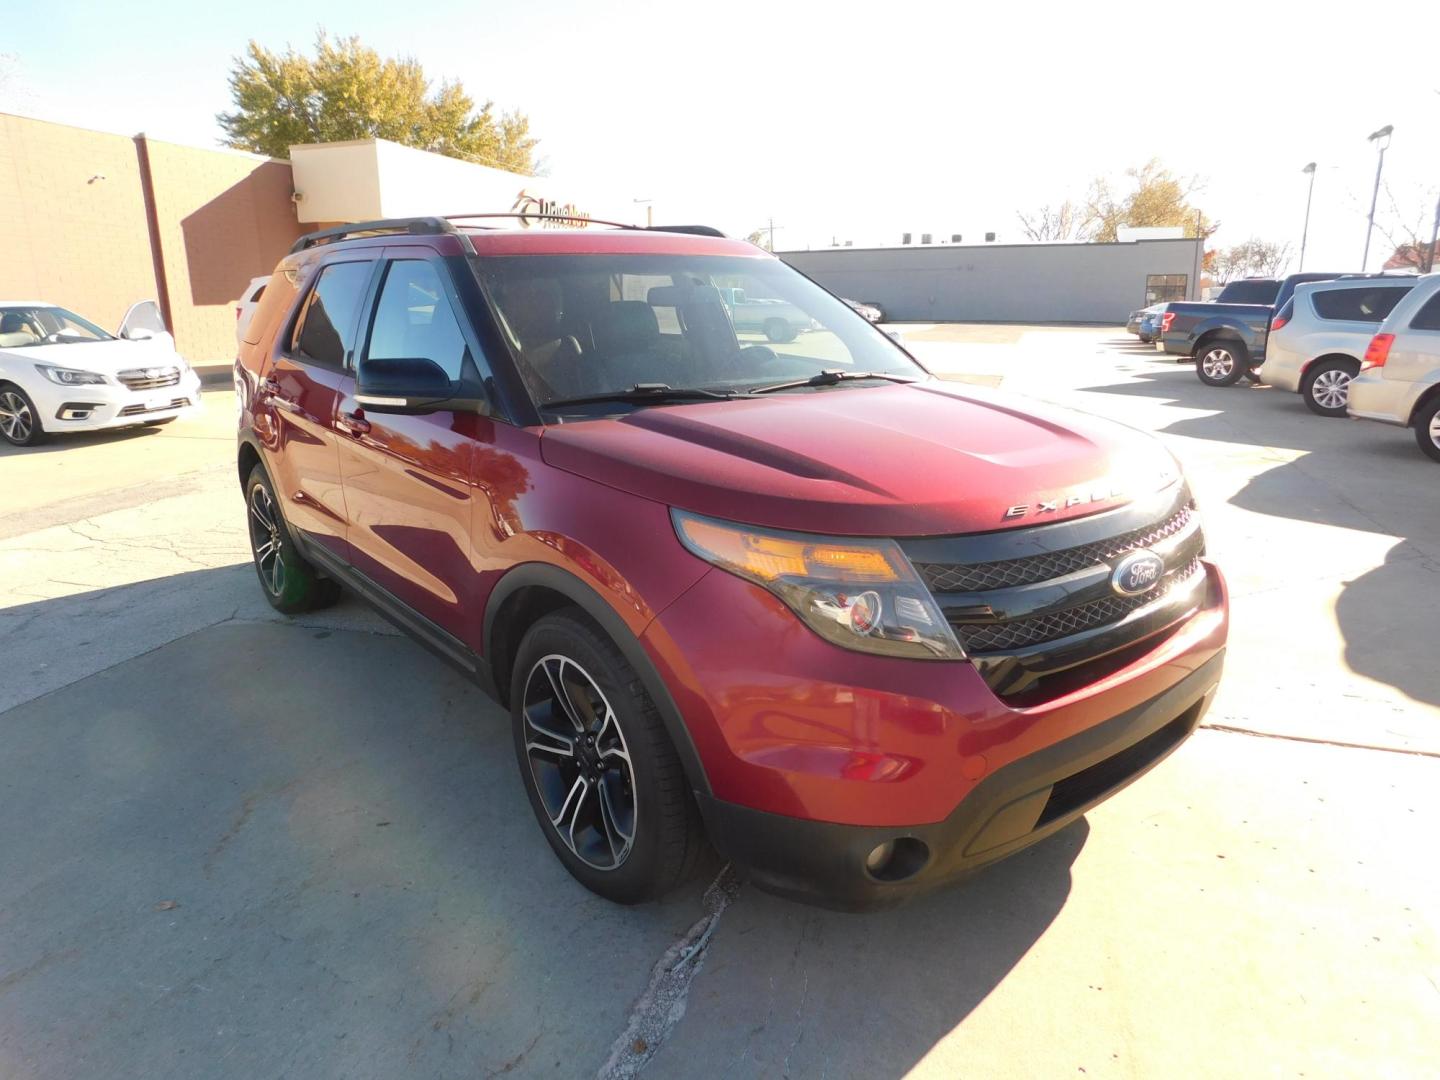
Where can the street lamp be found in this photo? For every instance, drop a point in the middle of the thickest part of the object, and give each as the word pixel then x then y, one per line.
pixel 649 210
pixel 1381 139
pixel 1305 232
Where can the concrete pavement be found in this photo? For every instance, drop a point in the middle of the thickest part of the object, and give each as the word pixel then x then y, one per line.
pixel 238 845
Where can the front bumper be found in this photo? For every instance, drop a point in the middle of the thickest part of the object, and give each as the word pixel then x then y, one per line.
pixel 1374 397
pixel 109 405
pixel 1028 800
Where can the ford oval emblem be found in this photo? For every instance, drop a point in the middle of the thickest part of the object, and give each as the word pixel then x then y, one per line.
pixel 1137 573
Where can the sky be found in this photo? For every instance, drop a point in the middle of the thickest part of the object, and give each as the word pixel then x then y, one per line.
pixel 840 121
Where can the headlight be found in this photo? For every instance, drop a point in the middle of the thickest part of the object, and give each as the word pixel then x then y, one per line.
pixel 861 594
pixel 70 376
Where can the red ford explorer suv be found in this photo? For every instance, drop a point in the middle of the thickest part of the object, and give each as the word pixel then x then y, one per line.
pixel 862 629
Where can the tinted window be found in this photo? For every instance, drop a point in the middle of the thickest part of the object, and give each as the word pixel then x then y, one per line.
pixel 414 319
pixel 326 330
pixel 1357 305
pixel 1249 292
pixel 1428 317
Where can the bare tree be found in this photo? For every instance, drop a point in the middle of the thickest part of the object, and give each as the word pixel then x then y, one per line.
pixel 1047 223
pixel 1409 233
pixel 1252 258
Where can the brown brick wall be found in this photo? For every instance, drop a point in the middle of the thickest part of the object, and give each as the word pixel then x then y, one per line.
pixel 83 245
pixel 222 218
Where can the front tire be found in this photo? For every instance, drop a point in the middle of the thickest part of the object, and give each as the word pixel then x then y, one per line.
pixel 1222 363
pixel 19 421
pixel 1326 386
pixel 1427 429
pixel 288 581
pixel 603 779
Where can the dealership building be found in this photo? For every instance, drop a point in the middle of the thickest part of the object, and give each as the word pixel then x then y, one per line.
pixel 1014 283
pixel 97 221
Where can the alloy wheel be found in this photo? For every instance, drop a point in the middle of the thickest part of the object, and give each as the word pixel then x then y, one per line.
pixel 1435 429
pixel 16 420
pixel 265 539
pixel 1218 363
pixel 579 762
pixel 1331 389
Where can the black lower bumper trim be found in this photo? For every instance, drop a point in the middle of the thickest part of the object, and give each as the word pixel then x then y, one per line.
pixel 824 863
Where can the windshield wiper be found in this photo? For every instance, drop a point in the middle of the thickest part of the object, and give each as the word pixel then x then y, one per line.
pixel 829 378
pixel 646 393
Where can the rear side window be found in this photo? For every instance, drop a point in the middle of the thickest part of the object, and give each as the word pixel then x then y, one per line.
pixel 325 332
pixel 1250 292
pixel 1357 305
pixel 414 319
pixel 1428 317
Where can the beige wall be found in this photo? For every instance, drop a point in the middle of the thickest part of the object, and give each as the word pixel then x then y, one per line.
pixel 78 243
pixel 221 218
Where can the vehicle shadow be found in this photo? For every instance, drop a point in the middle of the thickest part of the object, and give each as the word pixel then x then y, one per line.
pixel 277 847
pixel 55 443
pixel 1388 619
pixel 794 991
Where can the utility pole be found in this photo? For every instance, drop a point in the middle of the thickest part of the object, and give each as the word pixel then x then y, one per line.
pixel 1381 139
pixel 1434 237
pixel 1305 232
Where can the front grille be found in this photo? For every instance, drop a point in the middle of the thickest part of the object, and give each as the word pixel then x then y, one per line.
pixel 980 577
pixel 140 410
pixel 149 378
pixel 1024 633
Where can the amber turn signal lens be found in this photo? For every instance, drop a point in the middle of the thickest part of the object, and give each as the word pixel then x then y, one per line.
pixel 770 557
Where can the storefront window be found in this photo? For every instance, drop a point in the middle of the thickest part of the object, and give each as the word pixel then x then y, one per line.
pixel 1160 288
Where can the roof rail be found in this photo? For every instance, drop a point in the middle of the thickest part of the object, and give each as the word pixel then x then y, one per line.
pixel 694 230
pixel 416 226
pixel 581 218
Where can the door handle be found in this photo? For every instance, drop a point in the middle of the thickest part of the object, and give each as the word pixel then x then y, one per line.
pixel 354 422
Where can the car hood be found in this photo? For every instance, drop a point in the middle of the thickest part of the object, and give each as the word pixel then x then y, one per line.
pixel 105 357
pixel 901 460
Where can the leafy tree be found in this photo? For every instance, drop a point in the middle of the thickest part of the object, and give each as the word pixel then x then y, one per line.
pixel 1152 196
pixel 1155 198
pixel 348 91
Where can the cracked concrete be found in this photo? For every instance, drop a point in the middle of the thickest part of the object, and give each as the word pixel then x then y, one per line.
pixel 358 888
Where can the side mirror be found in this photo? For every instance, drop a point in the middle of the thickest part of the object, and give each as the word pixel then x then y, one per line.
pixel 410 384
pixel 138 333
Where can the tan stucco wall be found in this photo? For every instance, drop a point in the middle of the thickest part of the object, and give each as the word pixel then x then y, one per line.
pixel 222 218
pixel 80 244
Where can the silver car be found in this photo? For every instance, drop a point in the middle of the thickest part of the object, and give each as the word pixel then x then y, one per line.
pixel 1319 335
pixel 1400 383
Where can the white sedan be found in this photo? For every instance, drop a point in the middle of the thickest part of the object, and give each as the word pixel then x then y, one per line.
pixel 59 372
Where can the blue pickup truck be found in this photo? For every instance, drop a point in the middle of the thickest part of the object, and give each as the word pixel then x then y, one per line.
pixel 1226 338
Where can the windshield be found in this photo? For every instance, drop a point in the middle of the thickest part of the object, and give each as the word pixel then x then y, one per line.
pixel 584 325
pixel 24 326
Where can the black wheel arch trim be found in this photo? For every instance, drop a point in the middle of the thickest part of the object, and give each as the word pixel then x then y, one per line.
pixel 583 596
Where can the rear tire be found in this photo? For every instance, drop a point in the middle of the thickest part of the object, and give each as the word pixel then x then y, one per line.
pixel 1427 429
pixel 289 582
pixel 1221 363
pixel 1326 386
pixel 597 763
pixel 779 331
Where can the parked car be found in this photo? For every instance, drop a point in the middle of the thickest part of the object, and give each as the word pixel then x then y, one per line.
pixel 1400 380
pixel 1318 337
pixel 60 372
pixel 1149 327
pixel 1132 325
pixel 245 306
pixel 869 312
pixel 779 320
pixel 1226 340
pixel 796 603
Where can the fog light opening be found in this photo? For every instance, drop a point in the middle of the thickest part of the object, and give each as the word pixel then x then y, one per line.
pixel 897 859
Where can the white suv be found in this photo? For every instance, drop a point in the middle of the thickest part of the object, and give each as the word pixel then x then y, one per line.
pixel 59 372
pixel 1319 335
pixel 1400 383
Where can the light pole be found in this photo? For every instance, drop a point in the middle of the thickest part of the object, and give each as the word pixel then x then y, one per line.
pixel 1381 139
pixel 1305 232
pixel 649 210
